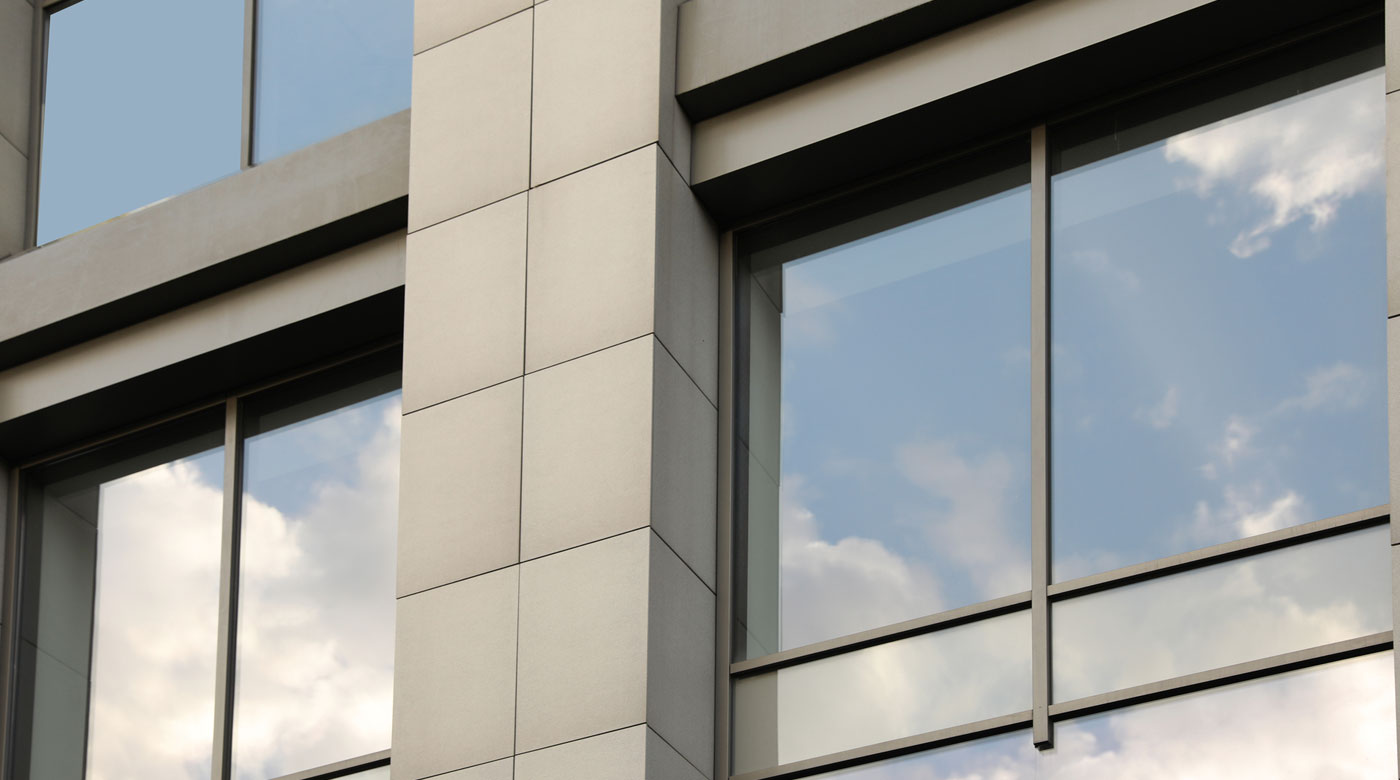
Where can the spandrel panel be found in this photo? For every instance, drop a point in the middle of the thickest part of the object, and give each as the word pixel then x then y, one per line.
pixel 950 677
pixel 1268 604
pixel 119 638
pixel 327 66
pixel 1218 298
pixel 315 655
pixel 143 100
pixel 885 442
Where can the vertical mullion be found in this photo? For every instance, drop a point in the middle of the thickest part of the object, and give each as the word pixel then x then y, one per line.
pixel 9 631
pixel 228 590
pixel 724 559
pixel 38 68
pixel 250 18
pixel 1042 732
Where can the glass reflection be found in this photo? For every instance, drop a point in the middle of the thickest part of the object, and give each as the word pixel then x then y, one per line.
pixel 122 127
pixel 1290 599
pixel 316 599
pixel 958 675
pixel 327 66
pixel 120 626
pixel 885 443
pixel 1335 721
pixel 1218 359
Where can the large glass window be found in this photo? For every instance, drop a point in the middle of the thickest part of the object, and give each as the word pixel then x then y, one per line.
pixel 1073 463
pixel 144 99
pixel 129 618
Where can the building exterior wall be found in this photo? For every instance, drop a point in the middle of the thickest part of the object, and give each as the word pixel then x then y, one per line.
pixel 555 214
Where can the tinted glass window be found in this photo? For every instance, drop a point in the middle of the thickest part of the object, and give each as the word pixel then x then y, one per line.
pixel 142 101
pixel 327 66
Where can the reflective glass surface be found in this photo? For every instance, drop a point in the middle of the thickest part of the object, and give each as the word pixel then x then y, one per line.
pixel 1276 602
pixel 315 652
pixel 327 66
pixel 119 637
pixel 885 443
pixel 1335 721
pixel 1218 283
pixel 142 101
pixel 957 675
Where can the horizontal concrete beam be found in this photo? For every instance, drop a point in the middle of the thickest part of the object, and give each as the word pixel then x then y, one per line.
pixel 293 209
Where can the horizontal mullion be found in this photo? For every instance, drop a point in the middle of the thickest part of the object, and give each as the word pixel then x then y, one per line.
pixel 878 636
pixel 1224 675
pixel 1283 537
pixel 893 748
pixel 340 768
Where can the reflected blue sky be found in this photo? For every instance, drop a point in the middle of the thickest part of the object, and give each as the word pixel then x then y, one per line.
pixel 123 128
pixel 1218 344
pixel 327 66
pixel 316 598
pixel 904 420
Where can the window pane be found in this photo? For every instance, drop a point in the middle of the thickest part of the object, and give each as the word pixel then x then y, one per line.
pixel 1218 299
pixel 327 66
pixel 1335 721
pixel 1268 604
pixel 121 605
pixel 142 101
pixel 957 675
pixel 316 601
pixel 885 443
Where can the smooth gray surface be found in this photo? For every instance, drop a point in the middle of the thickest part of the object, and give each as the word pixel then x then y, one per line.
pixel 337 178
pixel 592 269
pixel 14 176
pixel 454 686
pixel 292 296
pixel 687 280
pixel 680 656
pixel 16 36
pixel 1392 45
pixel 583 641
pixel 1392 180
pixel 496 770
pixel 604 75
pixel 471 127
pixel 683 466
pixel 439 21
pixel 464 304
pixel 459 501
pixel 937 68
pixel 587 449
pixel 634 753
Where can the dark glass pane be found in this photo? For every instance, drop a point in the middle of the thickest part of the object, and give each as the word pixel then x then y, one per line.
pixel 1218 287
pixel 142 101
pixel 957 675
pixel 1268 604
pixel 327 66
pixel 316 597
pixel 121 609
pixel 885 442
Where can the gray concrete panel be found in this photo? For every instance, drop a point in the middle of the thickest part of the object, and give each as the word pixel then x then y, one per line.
pixel 583 641
pixel 1392 45
pixel 922 73
pixel 471 126
pixel 683 458
pixel 592 267
pixel 309 188
pixel 496 770
pixel 291 296
pixel 464 298
pixel 1392 339
pixel 587 449
pixel 635 753
pixel 16 36
pixel 1392 205
pixel 687 281
pixel 454 691
pixel 438 21
pixel 459 488
pixel 681 658
pixel 604 82
pixel 14 183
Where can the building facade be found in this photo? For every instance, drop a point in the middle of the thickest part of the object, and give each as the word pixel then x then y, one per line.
pixel 585 389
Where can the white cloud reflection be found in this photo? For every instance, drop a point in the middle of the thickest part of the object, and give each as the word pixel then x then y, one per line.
pixel 1299 159
pixel 315 655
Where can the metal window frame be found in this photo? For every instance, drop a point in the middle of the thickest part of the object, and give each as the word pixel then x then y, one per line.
pixel 230 541
pixel 38 75
pixel 1044 592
